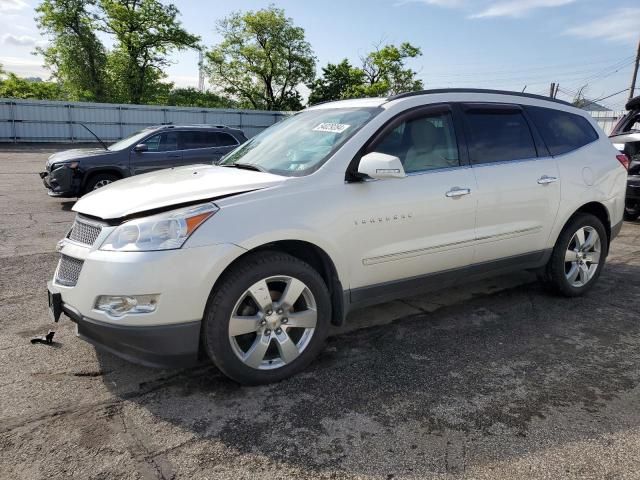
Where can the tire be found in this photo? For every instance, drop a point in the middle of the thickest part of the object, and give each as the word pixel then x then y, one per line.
pixel 238 348
pixel 99 180
pixel 632 211
pixel 560 274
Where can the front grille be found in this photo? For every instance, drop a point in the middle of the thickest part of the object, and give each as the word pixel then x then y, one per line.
pixel 85 233
pixel 68 271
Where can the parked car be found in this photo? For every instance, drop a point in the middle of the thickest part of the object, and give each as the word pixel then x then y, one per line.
pixel 73 173
pixel 343 205
pixel 626 138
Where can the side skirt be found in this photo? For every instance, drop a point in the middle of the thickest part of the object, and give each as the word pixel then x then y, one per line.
pixel 383 292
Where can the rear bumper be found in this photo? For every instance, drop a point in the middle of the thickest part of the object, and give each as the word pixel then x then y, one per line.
pixel 163 346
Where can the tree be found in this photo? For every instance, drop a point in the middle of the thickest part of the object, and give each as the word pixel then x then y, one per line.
pixel 386 73
pixel 145 31
pixel 15 87
pixel 191 97
pixel 262 59
pixel 75 55
pixel 383 73
pixel 338 81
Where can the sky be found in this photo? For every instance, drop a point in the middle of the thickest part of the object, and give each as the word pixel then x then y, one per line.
pixel 502 44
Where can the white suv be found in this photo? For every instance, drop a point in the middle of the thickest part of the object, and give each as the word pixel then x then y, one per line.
pixel 342 205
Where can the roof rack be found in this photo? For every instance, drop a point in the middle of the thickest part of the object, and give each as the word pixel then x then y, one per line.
pixel 476 90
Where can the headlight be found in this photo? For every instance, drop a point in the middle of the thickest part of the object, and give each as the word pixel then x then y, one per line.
pixel 71 165
pixel 165 231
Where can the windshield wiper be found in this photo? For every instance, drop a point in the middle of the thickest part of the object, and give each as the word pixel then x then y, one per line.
pixel 246 166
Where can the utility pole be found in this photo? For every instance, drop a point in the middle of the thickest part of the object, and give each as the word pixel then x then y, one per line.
pixel 635 73
pixel 200 71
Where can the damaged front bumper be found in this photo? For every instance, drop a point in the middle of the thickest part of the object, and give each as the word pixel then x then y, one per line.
pixel 61 182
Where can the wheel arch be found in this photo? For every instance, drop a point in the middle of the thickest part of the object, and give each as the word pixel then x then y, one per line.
pixel 597 209
pixel 89 174
pixel 317 258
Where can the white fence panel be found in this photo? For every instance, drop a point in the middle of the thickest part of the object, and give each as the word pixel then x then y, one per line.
pixel 51 121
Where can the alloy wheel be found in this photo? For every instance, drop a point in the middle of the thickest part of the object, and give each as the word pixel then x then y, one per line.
pixel 272 322
pixel 582 256
pixel 101 183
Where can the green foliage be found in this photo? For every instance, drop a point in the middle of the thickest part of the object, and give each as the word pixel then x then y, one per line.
pixel 191 97
pixel 262 59
pixel 338 81
pixel 383 73
pixel 145 31
pixel 12 86
pixel 75 56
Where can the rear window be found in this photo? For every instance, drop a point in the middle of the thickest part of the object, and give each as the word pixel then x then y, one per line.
pixel 223 139
pixel 562 131
pixel 499 136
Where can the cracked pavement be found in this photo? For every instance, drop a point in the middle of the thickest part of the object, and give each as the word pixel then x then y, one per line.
pixel 491 380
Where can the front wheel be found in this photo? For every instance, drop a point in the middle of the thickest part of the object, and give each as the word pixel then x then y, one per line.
pixel 578 256
pixel 267 318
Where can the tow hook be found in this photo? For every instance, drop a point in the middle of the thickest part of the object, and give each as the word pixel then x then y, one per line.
pixel 46 339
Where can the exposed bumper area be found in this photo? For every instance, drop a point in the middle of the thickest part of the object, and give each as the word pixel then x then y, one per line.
pixel 633 187
pixel 62 182
pixel 163 346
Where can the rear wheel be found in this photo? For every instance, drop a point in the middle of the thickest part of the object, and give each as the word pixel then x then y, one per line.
pixel 578 256
pixel 632 210
pixel 267 318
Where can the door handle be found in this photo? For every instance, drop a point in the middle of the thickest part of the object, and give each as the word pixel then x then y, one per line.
pixel 175 156
pixel 545 179
pixel 458 192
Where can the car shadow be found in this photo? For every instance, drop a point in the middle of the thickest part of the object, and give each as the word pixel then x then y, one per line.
pixel 488 372
pixel 67 205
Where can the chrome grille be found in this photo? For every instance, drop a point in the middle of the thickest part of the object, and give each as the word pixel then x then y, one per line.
pixel 68 271
pixel 85 233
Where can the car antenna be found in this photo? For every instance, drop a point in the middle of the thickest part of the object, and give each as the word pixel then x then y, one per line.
pixel 97 137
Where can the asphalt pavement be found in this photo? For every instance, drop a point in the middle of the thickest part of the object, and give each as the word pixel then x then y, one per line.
pixel 491 380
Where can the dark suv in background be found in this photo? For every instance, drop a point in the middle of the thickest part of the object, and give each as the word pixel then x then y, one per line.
pixel 626 138
pixel 72 173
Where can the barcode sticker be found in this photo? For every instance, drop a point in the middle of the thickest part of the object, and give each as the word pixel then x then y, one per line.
pixel 331 127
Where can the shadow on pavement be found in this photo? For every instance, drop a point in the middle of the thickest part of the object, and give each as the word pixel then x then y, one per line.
pixel 403 395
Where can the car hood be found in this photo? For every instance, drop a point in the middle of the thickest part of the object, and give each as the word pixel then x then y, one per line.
pixel 173 186
pixel 75 154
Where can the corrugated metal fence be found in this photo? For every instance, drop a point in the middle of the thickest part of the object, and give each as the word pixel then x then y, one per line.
pixel 51 121
pixel 607 120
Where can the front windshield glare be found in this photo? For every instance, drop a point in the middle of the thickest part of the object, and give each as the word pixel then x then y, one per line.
pixel 300 144
pixel 129 141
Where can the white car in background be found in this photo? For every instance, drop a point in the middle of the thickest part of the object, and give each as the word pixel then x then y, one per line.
pixel 342 205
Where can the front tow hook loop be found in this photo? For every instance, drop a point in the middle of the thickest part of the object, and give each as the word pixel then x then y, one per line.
pixel 47 339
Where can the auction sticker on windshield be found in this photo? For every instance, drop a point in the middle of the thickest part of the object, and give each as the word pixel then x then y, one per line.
pixel 331 127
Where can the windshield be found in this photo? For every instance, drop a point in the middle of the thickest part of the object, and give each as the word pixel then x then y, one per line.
pixel 302 143
pixel 129 141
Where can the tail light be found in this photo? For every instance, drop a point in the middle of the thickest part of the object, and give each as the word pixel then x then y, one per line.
pixel 624 160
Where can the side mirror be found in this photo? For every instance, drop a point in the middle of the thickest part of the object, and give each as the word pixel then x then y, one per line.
pixel 381 166
pixel 141 147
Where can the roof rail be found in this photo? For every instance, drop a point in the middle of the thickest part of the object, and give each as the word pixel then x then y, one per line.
pixel 476 90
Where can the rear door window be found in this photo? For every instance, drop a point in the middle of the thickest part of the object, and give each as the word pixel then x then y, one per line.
pixel 224 139
pixel 190 140
pixel 498 135
pixel 563 132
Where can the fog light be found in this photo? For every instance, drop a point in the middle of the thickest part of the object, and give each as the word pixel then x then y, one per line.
pixel 118 305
